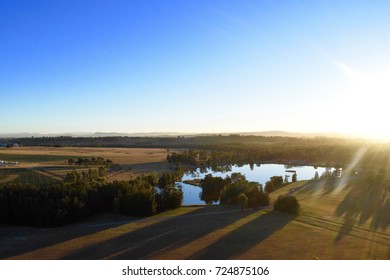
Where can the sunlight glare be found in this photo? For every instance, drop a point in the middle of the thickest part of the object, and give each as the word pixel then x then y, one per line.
pixel 364 105
pixel 350 168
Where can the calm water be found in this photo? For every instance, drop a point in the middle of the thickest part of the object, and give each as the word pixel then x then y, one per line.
pixel 259 173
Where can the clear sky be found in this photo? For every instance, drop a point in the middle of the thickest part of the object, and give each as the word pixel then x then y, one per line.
pixel 195 66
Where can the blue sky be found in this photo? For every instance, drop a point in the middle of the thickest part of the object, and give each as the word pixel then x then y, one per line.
pixel 194 66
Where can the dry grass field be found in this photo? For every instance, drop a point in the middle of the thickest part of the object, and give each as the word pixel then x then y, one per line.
pixel 322 231
pixel 340 218
pixel 60 155
pixel 52 161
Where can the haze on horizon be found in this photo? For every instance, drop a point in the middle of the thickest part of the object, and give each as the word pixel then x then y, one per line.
pixel 195 66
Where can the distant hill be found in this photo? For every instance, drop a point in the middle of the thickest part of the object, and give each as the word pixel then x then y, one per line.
pixel 140 134
pixel 294 134
pixel 171 134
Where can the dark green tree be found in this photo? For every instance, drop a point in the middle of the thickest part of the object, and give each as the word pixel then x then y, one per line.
pixel 242 201
pixel 211 188
pixel 288 204
pixel 294 177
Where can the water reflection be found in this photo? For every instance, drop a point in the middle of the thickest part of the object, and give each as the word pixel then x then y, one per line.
pixel 253 172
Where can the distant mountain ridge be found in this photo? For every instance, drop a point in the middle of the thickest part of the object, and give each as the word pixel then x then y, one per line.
pixel 171 134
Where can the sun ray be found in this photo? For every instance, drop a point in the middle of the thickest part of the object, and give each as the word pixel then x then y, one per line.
pixel 350 170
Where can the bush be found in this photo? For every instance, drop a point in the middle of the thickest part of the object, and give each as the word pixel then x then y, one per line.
pixel 288 204
pixel 169 198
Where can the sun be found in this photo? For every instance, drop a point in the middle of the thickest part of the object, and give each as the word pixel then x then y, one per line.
pixel 364 105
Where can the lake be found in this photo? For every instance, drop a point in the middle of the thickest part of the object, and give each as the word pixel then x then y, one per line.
pixel 258 173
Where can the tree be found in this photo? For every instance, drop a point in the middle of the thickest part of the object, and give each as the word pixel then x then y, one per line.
pixel 243 201
pixel 288 204
pixel 136 198
pixel 211 188
pixel 294 177
pixel 235 177
pixel 71 178
pixel 169 198
pixel 102 171
pixel 169 178
pixel 230 193
pixel 256 195
pixel 151 178
pixel 273 184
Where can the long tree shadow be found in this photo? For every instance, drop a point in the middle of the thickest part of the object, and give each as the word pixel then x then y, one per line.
pixel 27 239
pixel 366 203
pixel 312 186
pixel 324 185
pixel 245 237
pixel 164 236
pixel 335 184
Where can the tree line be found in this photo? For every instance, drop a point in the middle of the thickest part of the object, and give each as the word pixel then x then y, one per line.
pixel 74 200
pixel 236 149
pixel 285 150
pixel 90 161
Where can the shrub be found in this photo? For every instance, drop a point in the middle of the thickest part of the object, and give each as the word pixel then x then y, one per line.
pixel 288 204
pixel 169 198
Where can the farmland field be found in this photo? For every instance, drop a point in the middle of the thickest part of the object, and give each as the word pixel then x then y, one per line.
pixel 54 154
pixel 33 157
pixel 24 176
pixel 51 162
pixel 341 218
